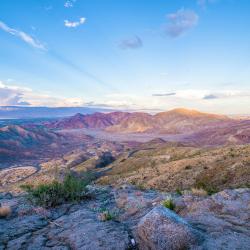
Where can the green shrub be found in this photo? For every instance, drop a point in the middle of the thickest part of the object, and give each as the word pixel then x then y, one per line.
pixel 106 216
pixel 72 189
pixel 169 204
pixel 178 191
pixel 141 187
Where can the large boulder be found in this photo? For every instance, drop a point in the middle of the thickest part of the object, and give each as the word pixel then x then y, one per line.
pixel 162 229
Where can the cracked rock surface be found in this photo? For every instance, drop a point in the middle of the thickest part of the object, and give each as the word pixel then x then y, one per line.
pixel 220 221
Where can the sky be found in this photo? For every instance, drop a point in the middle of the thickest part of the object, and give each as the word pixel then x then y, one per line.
pixel 149 55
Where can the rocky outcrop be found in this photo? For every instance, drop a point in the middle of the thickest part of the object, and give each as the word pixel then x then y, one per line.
pixel 163 229
pixel 137 221
pixel 223 217
pixel 78 230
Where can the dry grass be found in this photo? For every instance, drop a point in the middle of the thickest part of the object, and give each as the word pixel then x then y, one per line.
pixel 5 211
pixel 210 169
pixel 199 192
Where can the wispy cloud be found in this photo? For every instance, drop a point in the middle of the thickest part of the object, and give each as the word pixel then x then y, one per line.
pixel 165 94
pixel 203 3
pixel 48 8
pixel 180 22
pixel 205 94
pixel 75 24
pixel 23 36
pixel 131 43
pixel 69 3
pixel 226 94
pixel 210 97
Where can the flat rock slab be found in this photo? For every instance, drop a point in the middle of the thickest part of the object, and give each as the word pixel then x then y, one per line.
pixel 78 230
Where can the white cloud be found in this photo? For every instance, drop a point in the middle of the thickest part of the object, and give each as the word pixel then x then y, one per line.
pixel 70 24
pixel 23 36
pixel 180 22
pixel 14 95
pixel 69 3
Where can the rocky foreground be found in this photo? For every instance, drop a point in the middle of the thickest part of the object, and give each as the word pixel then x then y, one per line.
pixel 128 218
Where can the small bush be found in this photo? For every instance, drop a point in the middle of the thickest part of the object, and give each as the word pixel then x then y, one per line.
pixel 5 211
pixel 178 191
pixel 169 204
pixel 205 185
pixel 55 193
pixel 106 216
pixel 141 187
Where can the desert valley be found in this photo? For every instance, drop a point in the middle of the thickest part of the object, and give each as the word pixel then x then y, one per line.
pixel 132 163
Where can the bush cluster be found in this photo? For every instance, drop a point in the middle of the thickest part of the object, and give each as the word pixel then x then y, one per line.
pixel 72 189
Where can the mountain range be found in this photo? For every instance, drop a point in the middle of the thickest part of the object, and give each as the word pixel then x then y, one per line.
pixel 170 122
pixel 52 137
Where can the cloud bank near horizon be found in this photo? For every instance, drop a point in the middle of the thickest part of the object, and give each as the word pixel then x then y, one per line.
pixel 210 101
pixel 21 96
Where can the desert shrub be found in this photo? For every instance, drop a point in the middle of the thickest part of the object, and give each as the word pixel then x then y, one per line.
pixel 87 176
pixel 169 204
pixel 106 216
pixel 72 189
pixel 199 192
pixel 140 186
pixel 210 189
pixel 178 191
pixel 5 211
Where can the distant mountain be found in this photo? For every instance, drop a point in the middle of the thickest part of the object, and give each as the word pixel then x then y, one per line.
pixel 93 121
pixel 17 141
pixel 171 122
pixel 134 123
pixel 15 112
pixel 237 132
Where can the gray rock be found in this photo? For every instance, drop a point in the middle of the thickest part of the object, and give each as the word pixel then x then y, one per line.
pixel 223 217
pixel 18 243
pixel 80 230
pixel 220 221
pixel 163 229
pixel 15 228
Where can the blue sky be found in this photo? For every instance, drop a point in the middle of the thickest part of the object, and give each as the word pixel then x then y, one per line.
pixel 126 54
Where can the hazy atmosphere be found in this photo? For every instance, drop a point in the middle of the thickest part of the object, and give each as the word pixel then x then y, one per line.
pixel 142 55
